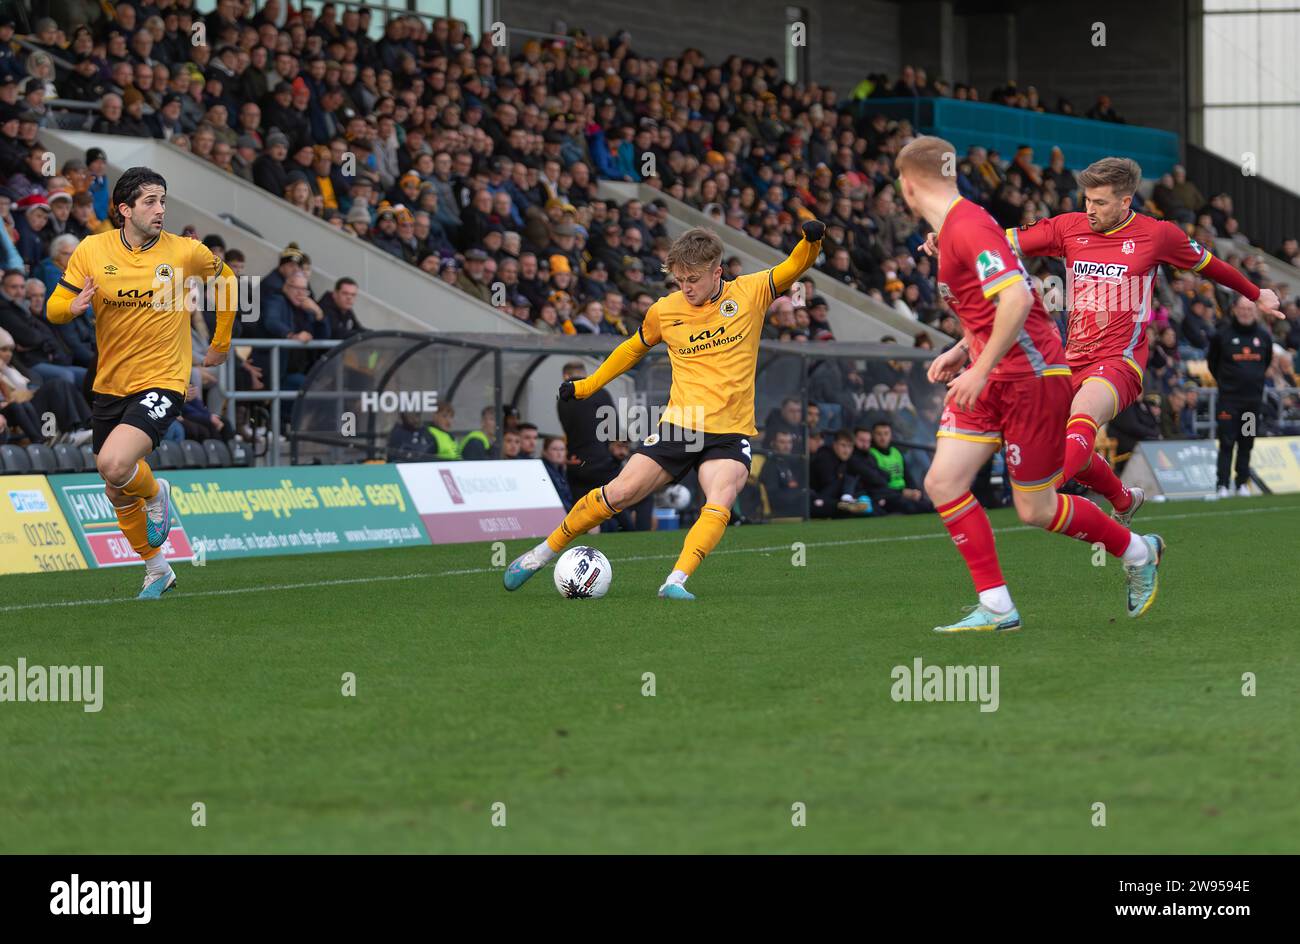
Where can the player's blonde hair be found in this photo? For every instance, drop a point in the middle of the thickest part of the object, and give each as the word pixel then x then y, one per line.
pixel 1121 174
pixel 928 158
pixel 697 248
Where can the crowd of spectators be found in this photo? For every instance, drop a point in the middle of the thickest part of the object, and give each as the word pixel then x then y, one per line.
pixel 482 168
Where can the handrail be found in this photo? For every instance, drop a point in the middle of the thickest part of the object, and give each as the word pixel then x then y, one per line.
pixel 59 61
pixel 227 385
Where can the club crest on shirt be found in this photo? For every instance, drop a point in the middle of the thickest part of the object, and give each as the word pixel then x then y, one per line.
pixel 1128 247
pixel 650 440
pixel 729 308
pixel 989 262
pixel 163 273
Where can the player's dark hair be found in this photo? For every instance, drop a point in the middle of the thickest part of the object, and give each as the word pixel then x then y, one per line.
pixel 844 436
pixel 879 423
pixel 344 281
pixel 523 426
pixel 128 188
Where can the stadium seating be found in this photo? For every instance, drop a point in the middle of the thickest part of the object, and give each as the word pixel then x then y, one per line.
pixel 170 455
pixel 14 459
pixel 42 458
pixel 194 455
pixel 218 454
pixel 68 458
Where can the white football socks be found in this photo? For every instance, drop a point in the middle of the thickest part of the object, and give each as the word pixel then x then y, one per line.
pixel 677 576
pixel 998 599
pixel 1137 552
pixel 543 553
pixel 157 565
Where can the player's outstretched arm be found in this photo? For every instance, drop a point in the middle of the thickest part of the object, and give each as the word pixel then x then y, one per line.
pixel 65 304
pixel 801 258
pixel 1221 272
pixel 622 358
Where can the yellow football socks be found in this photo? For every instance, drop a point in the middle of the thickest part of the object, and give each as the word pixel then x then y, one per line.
pixel 588 512
pixel 132 520
pixel 142 484
pixel 703 537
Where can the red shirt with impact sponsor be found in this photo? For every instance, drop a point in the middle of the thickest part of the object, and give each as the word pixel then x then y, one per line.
pixel 1109 279
pixel 975 264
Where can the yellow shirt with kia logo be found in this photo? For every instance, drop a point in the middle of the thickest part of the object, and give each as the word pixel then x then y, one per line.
pixel 713 348
pixel 142 319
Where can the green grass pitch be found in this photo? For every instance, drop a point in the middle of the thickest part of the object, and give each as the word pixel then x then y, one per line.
pixel 773 689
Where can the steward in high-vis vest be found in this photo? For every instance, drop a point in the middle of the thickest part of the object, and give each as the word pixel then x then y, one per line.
pixel 900 494
pixel 477 443
pixel 440 430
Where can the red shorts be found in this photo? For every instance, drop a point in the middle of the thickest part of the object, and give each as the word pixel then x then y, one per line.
pixel 1123 378
pixel 1029 417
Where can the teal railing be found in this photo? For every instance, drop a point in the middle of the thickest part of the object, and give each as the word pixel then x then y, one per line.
pixel 1004 129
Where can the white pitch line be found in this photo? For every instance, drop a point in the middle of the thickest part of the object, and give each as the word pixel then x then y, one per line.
pixel 220 593
pixel 891 539
pixel 880 540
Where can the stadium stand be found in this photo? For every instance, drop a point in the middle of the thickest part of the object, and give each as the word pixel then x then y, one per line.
pixel 558 172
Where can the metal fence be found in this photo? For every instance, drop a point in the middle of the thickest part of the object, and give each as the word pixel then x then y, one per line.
pixel 274 393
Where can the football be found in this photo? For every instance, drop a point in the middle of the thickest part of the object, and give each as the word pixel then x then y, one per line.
pixel 582 573
pixel 678 497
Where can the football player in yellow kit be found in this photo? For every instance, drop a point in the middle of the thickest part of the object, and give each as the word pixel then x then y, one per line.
pixel 712 330
pixel 134 277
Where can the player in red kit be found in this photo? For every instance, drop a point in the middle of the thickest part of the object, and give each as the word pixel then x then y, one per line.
pixel 1111 255
pixel 1016 392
